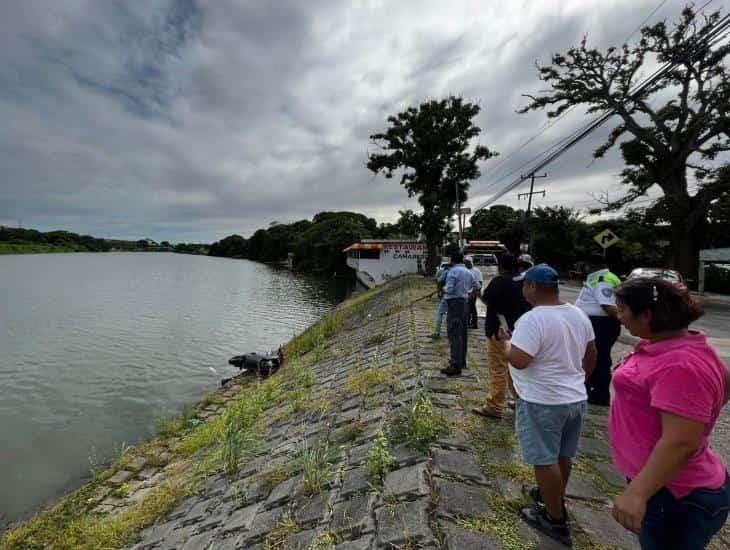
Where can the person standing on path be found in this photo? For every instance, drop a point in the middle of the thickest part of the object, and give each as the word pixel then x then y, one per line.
pixel 667 398
pixel 551 352
pixel 597 300
pixel 474 295
pixel 503 296
pixel 443 305
pixel 459 283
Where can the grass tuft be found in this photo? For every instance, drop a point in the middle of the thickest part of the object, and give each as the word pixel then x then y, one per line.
pixel 379 461
pixel 64 528
pixel 277 536
pixel 420 424
pixel 317 464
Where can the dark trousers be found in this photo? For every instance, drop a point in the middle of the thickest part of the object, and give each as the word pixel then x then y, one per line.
pixel 598 385
pixel 456 318
pixel 685 524
pixel 472 322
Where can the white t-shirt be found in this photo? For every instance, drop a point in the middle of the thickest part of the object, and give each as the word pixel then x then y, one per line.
pixel 597 291
pixel 556 337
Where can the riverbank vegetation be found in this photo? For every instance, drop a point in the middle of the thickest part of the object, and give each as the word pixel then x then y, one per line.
pixel 317 245
pixel 30 241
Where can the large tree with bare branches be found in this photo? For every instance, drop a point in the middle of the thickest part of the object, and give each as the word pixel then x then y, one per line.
pixel 432 147
pixel 678 124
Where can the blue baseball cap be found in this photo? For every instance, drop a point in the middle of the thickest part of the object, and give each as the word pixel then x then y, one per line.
pixel 542 274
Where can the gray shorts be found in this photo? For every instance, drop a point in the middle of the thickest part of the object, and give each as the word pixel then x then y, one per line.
pixel 547 432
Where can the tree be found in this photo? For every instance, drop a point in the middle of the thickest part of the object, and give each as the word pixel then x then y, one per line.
pixel 500 223
pixel 666 137
pixel 556 233
pixel 432 145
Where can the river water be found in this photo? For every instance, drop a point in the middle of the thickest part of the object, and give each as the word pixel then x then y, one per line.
pixel 95 347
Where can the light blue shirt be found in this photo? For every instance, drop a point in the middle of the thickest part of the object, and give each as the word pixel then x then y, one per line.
pixel 459 282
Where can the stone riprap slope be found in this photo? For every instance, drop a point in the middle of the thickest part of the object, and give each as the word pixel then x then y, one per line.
pixel 359 442
pixel 458 487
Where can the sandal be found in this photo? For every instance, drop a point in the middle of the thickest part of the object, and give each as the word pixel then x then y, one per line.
pixel 486 413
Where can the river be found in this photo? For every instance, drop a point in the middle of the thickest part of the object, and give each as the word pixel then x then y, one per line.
pixel 95 347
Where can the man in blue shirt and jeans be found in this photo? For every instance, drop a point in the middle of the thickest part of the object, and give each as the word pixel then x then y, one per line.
pixel 459 284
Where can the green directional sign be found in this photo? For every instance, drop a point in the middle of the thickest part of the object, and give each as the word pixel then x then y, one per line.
pixel 606 238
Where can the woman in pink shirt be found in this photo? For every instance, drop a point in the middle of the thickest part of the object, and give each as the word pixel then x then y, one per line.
pixel 667 397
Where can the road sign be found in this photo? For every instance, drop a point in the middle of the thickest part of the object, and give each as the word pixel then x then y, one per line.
pixel 606 238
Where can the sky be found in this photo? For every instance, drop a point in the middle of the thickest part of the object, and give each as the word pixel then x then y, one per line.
pixel 190 120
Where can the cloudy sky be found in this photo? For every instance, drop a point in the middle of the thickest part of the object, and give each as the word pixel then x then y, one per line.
pixel 189 120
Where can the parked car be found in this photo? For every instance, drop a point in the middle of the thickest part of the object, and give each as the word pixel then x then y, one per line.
pixel 487 264
pixel 657 273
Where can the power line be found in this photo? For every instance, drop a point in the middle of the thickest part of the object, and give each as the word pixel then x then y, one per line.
pixel 550 123
pixel 712 37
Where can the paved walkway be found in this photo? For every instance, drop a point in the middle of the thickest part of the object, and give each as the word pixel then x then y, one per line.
pixel 316 483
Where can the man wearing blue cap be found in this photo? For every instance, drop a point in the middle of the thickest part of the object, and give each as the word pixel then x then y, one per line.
pixel 551 353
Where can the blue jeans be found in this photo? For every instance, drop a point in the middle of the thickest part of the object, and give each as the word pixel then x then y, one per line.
pixel 443 308
pixel 685 524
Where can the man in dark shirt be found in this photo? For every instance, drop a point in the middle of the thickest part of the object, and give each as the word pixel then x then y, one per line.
pixel 503 296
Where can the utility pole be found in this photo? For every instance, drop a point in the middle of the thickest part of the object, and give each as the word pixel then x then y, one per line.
pixel 529 195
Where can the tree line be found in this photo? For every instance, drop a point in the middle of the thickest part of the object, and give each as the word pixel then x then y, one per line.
pixel 317 245
pixel 15 239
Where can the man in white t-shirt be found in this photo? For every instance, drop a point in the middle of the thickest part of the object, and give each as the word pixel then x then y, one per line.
pixel 551 352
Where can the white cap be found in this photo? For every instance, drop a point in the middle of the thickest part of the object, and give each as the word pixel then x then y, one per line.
pixel 525 258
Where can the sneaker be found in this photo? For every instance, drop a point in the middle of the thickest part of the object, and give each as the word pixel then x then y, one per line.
pixel 434 336
pixel 487 412
pixel 533 493
pixel 451 371
pixel 539 520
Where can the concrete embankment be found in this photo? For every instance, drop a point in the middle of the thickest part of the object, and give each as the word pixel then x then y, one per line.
pixel 358 442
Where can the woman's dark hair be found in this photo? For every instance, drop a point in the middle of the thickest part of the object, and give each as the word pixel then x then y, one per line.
pixel 507 262
pixel 671 305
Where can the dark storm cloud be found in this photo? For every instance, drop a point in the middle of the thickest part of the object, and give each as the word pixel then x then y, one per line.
pixel 190 120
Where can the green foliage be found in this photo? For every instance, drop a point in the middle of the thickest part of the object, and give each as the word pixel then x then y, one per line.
pixel 379 461
pixel 29 241
pixel 233 246
pixel 499 223
pixel 420 424
pixel 674 123
pixel 167 427
pixel 67 526
pixel 431 147
pixel 317 464
pixel 285 528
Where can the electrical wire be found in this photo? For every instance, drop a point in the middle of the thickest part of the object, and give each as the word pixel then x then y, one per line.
pixel 712 37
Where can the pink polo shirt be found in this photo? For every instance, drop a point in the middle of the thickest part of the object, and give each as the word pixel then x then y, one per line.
pixel 682 376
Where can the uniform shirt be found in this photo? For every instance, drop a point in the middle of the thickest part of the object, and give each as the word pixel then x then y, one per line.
pixel 556 337
pixel 478 278
pixel 459 282
pixel 682 376
pixel 597 291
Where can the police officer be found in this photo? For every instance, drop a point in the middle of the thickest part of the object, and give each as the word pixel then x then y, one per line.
pixel 598 301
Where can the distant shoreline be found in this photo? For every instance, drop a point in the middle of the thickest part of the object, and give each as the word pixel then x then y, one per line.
pixel 7 249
